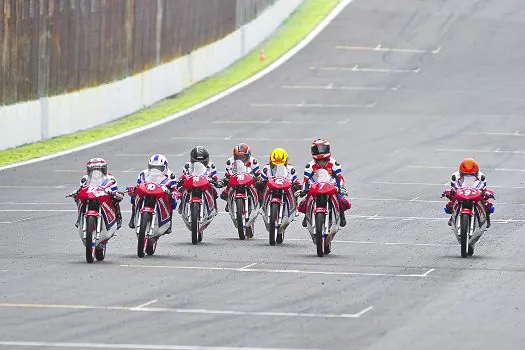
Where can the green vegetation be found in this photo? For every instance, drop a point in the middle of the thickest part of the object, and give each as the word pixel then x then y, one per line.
pixel 298 26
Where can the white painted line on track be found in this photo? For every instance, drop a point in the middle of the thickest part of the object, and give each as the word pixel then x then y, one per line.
pixel 333 87
pixel 356 68
pixel 270 121
pixel 247 266
pixel 429 272
pixel 279 62
pixel 40 186
pixel 186 311
pixel 14 221
pixel 371 242
pixel 141 306
pixel 498 150
pixel 127 346
pixel 312 105
pixel 413 218
pixel 455 168
pixel 438 184
pixel 515 133
pixel 303 272
pixel 380 48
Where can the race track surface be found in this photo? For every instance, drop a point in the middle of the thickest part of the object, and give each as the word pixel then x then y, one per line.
pixel 446 82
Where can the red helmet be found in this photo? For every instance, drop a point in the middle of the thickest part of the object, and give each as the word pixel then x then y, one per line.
pixel 321 149
pixel 242 152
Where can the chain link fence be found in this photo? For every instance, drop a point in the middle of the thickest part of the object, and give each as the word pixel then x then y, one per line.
pixel 50 47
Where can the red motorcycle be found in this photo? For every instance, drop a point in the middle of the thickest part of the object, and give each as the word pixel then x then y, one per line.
pixel 97 216
pixel 469 217
pixel 243 199
pixel 197 206
pixel 322 211
pixel 152 210
pixel 279 205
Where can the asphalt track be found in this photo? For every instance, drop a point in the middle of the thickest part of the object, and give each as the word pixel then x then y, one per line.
pixel 399 122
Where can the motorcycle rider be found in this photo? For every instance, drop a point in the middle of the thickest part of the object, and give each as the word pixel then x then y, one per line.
pixel 200 154
pixel 243 153
pixel 279 156
pixel 158 162
pixel 468 166
pixel 322 159
pixel 110 186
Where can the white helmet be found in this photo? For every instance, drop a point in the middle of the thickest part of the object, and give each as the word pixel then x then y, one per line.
pixel 158 161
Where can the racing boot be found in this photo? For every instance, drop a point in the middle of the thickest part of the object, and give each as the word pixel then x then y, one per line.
pixel 450 222
pixel 227 207
pixel 118 215
pixel 488 220
pixel 305 224
pixel 342 219
pixel 132 220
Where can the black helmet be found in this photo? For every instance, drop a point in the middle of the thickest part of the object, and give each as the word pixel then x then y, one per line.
pixel 200 154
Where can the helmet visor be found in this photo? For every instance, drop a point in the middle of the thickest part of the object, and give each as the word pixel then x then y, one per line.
pixel 320 149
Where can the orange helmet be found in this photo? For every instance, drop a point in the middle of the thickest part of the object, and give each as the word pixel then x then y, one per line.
pixel 242 152
pixel 468 166
pixel 320 149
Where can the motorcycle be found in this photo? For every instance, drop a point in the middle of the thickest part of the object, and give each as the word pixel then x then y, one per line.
pixel 97 216
pixel 322 211
pixel 279 206
pixel 243 200
pixel 469 217
pixel 198 205
pixel 153 210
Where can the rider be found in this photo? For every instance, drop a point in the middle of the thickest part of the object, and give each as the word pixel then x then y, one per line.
pixel 468 166
pixel 110 186
pixel 243 153
pixel 159 162
pixel 322 159
pixel 200 154
pixel 279 156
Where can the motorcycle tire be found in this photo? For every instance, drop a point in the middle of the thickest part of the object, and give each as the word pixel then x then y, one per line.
pixel 274 214
pixel 145 220
pixel 239 208
pixel 319 227
pixel 194 212
pixel 465 226
pixel 91 224
pixel 100 252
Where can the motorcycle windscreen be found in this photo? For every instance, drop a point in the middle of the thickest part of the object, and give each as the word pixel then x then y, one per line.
pixel 198 169
pixel 239 167
pixel 470 181
pixel 96 178
pixel 280 170
pixel 155 176
pixel 322 176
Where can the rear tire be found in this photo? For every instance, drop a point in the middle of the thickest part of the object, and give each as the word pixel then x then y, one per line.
pixel 239 208
pixel 274 214
pixel 319 226
pixel 91 224
pixel 195 208
pixel 145 219
pixel 465 225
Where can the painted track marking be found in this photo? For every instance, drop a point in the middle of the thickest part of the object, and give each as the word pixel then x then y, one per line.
pixel 142 306
pixel 380 48
pixel 455 168
pixel 356 68
pixel 498 150
pixel 312 105
pixel 438 184
pixel 332 87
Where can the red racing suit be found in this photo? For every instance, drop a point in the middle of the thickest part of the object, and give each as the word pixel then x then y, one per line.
pixel 334 168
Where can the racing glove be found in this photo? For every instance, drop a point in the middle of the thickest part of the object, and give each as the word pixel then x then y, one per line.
pixel 343 191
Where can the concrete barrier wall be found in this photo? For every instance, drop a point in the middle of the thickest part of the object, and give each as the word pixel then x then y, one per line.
pixel 59 115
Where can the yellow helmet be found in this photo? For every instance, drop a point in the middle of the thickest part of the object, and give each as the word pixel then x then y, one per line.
pixel 278 157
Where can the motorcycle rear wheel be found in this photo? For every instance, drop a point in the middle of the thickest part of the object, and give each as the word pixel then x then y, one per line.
pixel 274 213
pixel 465 225
pixel 91 224
pixel 194 212
pixel 141 239
pixel 319 226
pixel 239 208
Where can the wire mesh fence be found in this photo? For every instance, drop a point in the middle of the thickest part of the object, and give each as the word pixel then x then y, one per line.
pixel 50 47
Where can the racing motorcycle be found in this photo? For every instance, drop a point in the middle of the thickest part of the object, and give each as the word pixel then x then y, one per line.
pixel 242 199
pixel 97 216
pixel 198 206
pixel 152 210
pixel 279 205
pixel 322 211
pixel 469 217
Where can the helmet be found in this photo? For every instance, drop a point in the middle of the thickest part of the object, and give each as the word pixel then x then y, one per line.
pixel 97 164
pixel 242 152
pixel 200 154
pixel 468 166
pixel 278 156
pixel 158 161
pixel 321 149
